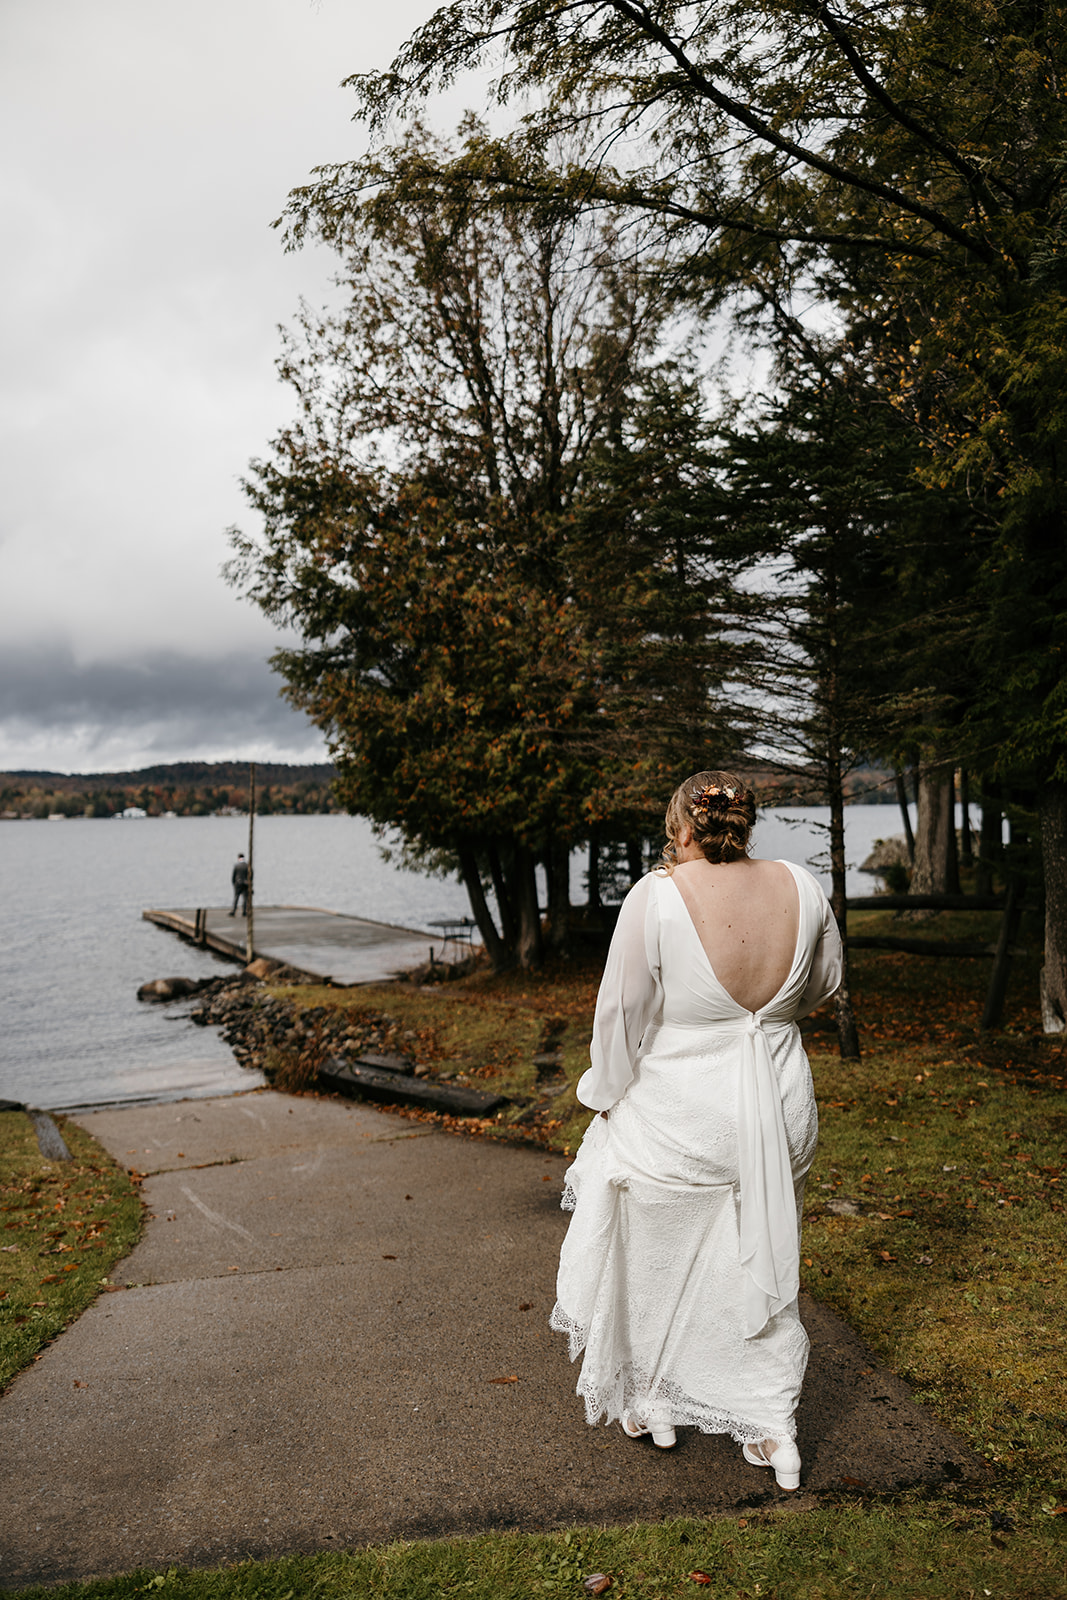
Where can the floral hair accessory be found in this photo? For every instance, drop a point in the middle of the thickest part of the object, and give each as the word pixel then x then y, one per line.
pixel 713 798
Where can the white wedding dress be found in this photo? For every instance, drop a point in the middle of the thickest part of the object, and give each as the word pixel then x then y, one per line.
pixel 679 1274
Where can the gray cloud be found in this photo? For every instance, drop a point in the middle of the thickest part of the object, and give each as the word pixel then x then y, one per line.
pixel 161 706
pixel 144 151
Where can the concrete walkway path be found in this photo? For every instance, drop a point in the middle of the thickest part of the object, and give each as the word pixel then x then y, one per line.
pixel 334 1332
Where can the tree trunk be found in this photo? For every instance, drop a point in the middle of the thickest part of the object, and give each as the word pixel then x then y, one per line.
pixel 498 952
pixel 905 814
pixel 1009 928
pixel 847 1032
pixel 967 851
pixel 952 853
pixel 529 948
pixel 1052 810
pixel 990 848
pixel 558 875
pixel 505 910
pixel 592 893
pixel 936 866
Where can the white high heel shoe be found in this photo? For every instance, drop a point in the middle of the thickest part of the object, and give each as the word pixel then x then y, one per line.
pixel 658 1424
pixel 783 1457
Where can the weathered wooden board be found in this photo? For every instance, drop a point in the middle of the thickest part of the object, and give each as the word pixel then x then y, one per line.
pixel 378 1083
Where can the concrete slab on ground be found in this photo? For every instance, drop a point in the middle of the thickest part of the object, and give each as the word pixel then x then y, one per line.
pixel 324 943
pixel 334 1331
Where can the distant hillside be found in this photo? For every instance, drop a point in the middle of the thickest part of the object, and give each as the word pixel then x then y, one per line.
pixel 182 772
pixel 188 788
pixel 199 788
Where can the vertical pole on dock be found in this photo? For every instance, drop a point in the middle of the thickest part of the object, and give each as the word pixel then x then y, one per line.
pixel 250 949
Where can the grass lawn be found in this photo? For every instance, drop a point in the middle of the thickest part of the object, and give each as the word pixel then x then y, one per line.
pixel 64 1224
pixel 934 1225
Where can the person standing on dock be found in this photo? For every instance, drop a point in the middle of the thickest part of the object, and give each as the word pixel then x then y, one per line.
pixel 239 879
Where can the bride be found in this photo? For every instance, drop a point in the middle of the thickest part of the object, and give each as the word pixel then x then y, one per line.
pixel 679 1274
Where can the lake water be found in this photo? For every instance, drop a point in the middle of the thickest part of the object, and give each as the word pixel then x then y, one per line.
pixel 75 949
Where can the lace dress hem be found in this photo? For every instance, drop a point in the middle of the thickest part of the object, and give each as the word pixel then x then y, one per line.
pixel 635 1391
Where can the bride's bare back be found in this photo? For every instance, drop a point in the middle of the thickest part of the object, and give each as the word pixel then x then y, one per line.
pixel 747 914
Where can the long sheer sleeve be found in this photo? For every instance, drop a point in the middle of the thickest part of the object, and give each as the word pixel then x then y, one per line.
pixel 824 978
pixel 629 997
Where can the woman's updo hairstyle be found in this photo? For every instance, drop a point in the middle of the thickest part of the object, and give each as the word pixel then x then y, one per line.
pixel 720 811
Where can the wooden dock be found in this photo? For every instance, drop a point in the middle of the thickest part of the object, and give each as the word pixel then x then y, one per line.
pixel 324 944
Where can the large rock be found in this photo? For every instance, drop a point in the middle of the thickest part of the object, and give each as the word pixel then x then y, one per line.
pixel 263 967
pixel 892 852
pixel 163 989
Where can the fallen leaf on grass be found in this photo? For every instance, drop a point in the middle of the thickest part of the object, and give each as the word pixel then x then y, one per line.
pixel 596 1583
pixel 53 1277
pixel 854 1483
pixel 12 1249
pixel 700 1577
pixel 512 1378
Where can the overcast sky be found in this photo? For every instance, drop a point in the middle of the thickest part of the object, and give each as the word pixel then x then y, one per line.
pixel 144 150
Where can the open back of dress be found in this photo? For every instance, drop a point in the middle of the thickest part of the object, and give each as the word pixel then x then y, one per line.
pixel 679 1274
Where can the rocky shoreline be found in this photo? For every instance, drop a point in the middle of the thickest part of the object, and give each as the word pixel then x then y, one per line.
pixel 297 1048
pixel 271 1035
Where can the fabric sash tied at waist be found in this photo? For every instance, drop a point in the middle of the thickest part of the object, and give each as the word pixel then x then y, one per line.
pixel 770 1247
